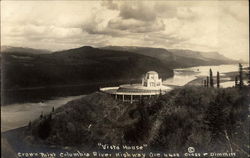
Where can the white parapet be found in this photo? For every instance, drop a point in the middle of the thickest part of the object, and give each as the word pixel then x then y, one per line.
pixel 134 90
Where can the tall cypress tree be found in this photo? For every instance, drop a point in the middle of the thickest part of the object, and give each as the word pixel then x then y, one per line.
pixel 41 116
pixel 248 75
pixel 29 125
pixel 236 81
pixel 207 81
pixel 211 78
pixel 218 79
pixel 240 76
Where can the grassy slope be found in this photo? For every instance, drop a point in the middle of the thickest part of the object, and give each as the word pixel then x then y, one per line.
pixel 189 116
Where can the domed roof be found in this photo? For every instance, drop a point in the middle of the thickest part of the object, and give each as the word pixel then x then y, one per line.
pixel 152 72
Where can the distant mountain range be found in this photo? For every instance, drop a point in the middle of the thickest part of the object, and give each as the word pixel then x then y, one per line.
pixel 24 68
pixel 180 56
pixel 148 51
pixel 27 67
pixel 90 64
pixel 8 49
pixel 76 66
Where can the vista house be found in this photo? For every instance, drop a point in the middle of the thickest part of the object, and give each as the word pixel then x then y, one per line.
pixel 151 85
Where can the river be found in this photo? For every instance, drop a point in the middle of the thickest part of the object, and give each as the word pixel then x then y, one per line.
pixel 19 114
pixel 185 75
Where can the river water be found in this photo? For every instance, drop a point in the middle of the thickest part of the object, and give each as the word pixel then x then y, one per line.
pixel 18 115
pixel 185 75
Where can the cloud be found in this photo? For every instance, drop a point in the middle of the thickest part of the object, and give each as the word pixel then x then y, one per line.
pixel 110 4
pixel 133 17
pixel 233 11
pixel 165 10
pixel 205 25
pixel 150 11
pixel 136 26
pixel 137 10
pixel 99 26
pixel 185 13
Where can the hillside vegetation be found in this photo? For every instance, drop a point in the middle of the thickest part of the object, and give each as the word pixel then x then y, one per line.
pixel 31 75
pixel 10 49
pixel 81 65
pixel 24 68
pixel 208 119
pixel 177 57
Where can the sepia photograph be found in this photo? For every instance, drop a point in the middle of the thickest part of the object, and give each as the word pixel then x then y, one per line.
pixel 125 79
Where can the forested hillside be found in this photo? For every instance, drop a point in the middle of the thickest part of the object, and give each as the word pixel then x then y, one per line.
pixel 209 119
pixel 81 65
pixel 34 75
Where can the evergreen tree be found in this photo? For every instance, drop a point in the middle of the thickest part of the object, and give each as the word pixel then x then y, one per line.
pixel 29 126
pixel 50 117
pixel 160 93
pixel 41 116
pixel 218 79
pixel 211 78
pixel 249 76
pixel 216 116
pixel 207 81
pixel 240 75
pixel 236 81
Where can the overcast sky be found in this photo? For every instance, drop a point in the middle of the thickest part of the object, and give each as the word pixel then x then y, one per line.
pixel 197 25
